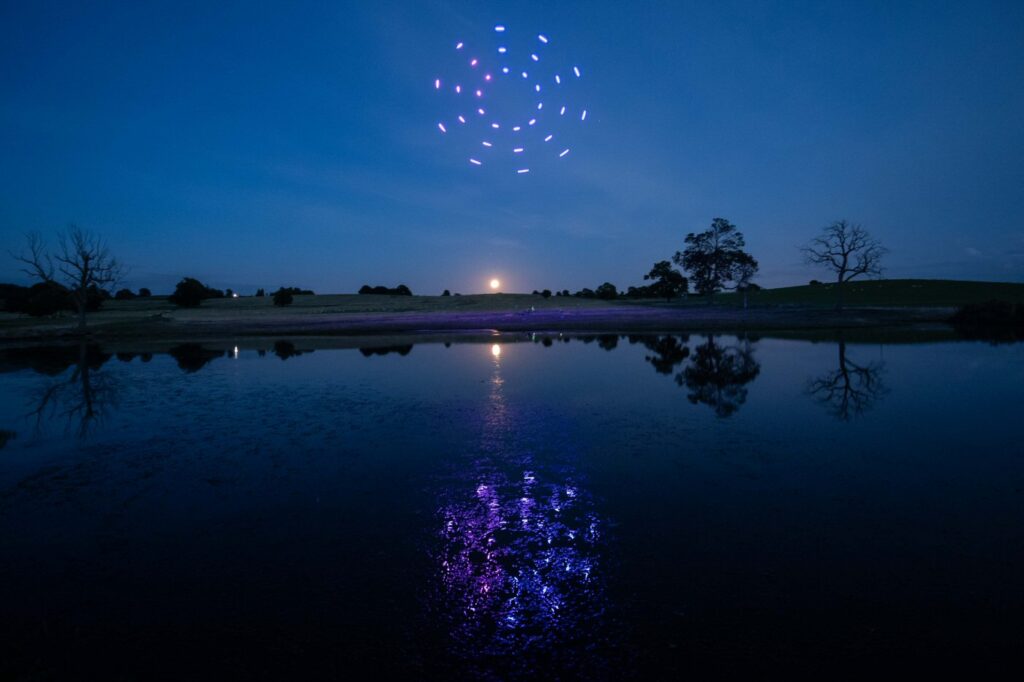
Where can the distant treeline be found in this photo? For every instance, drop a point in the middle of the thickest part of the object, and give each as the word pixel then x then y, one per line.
pixel 400 290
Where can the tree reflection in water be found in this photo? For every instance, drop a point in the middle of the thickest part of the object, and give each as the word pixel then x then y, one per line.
pixel 716 374
pixel 519 556
pixel 851 389
pixel 82 398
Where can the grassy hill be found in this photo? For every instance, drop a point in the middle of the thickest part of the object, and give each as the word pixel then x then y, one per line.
pixel 886 292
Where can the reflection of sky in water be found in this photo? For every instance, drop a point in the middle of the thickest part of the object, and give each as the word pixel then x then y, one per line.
pixel 519 556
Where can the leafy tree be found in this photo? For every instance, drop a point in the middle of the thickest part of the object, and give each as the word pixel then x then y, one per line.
pixel 124 295
pixel 446 293
pixel 606 291
pixel 190 292
pixel 145 293
pixel 81 263
pixel 546 293
pixel 668 282
pixel 848 251
pixel 283 297
pixel 715 258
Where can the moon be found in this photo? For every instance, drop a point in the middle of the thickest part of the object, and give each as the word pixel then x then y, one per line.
pixel 495 283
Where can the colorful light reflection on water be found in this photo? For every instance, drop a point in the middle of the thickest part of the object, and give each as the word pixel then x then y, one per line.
pixel 519 550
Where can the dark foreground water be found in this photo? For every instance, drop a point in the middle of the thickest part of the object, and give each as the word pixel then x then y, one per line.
pixel 525 507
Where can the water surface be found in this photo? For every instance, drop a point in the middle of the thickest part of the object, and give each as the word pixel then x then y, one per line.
pixel 522 506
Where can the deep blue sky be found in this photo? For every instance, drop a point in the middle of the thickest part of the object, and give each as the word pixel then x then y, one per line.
pixel 256 144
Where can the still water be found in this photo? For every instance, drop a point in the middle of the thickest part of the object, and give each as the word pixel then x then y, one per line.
pixel 605 507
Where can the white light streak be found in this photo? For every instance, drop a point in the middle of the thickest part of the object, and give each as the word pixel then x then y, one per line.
pixel 525 75
pixel 540 105
pixel 532 121
pixel 548 138
pixel 523 170
pixel 441 126
pixel 537 87
pixel 558 79
pixel 461 119
pixel 583 116
pixel 576 70
pixel 502 50
pixel 499 28
pixel 516 129
pixel 564 152
pixel 437 83
pixel 473 62
pixel 562 112
pixel 475 162
pixel 486 143
pixel 481 112
pixel 517 150
pixel 459 46
pixel 504 69
pixel 534 57
pixel 543 38
pixel 495 126
pixel 458 89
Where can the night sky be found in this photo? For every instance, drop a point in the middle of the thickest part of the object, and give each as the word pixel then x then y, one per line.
pixel 255 144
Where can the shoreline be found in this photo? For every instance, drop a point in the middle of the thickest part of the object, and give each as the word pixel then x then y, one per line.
pixel 615 318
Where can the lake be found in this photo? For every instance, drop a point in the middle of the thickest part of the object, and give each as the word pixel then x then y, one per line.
pixel 511 506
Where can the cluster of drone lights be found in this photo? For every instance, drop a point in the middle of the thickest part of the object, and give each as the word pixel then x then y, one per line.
pixel 507 137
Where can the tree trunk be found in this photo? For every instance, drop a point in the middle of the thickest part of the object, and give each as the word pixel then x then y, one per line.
pixel 839 292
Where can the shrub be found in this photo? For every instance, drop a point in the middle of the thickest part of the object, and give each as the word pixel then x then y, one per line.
pixel 446 293
pixel 46 298
pixel 124 295
pixel 546 293
pixel 145 293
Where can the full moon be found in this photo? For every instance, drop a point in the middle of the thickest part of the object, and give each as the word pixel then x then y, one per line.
pixel 495 284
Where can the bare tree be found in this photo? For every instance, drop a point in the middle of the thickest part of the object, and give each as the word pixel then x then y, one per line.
pixel 37 263
pixel 82 262
pixel 848 251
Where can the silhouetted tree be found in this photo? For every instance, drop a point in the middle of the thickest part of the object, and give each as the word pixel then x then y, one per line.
pixel 848 251
pixel 746 268
pixel 446 293
pixel 851 389
pixel 606 291
pixel 190 292
pixel 124 295
pixel 668 282
pixel 283 297
pixel 145 293
pixel 82 263
pixel 715 258
pixel 546 293
pixel 717 375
